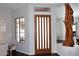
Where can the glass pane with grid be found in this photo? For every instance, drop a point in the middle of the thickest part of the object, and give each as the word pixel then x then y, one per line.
pixel 20 30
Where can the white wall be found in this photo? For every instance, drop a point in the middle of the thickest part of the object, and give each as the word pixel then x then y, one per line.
pixel 53 29
pixel 21 12
pixel 60 28
pixel 60 25
pixel 6 15
pixel 31 26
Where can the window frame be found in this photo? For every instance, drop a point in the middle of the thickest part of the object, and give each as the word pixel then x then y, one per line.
pixel 19 37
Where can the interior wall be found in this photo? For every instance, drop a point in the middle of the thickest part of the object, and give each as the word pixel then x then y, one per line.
pixel 6 15
pixel 60 28
pixel 31 26
pixel 53 29
pixel 21 12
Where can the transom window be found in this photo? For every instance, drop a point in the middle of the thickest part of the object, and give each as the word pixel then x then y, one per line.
pixel 20 29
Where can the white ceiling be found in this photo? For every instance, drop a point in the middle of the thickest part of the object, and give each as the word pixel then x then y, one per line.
pixel 12 6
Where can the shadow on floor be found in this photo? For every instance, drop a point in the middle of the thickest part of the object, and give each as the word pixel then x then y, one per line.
pixel 16 53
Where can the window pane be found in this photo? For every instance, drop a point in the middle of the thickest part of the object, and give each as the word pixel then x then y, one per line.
pixel 17 25
pixel 17 34
pixel 22 30
pixel 17 29
pixel 17 21
pixel 23 34
pixel 21 19
pixel 21 24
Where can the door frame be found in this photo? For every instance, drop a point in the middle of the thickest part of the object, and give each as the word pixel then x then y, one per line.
pixel 36 32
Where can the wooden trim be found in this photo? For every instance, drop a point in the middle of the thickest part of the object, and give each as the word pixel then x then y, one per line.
pixel 44 32
pixel 41 33
pixel 47 31
pixel 45 49
pixel 35 29
pixel 50 30
pixel 41 9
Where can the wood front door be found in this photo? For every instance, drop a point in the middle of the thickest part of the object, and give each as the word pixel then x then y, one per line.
pixel 42 34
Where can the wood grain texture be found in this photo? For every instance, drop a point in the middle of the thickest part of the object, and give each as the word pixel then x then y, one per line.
pixel 68 25
pixel 41 49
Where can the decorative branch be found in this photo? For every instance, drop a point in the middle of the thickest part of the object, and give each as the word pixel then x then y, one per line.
pixel 68 25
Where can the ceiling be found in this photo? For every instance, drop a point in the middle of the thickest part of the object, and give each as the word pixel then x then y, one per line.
pixel 12 6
